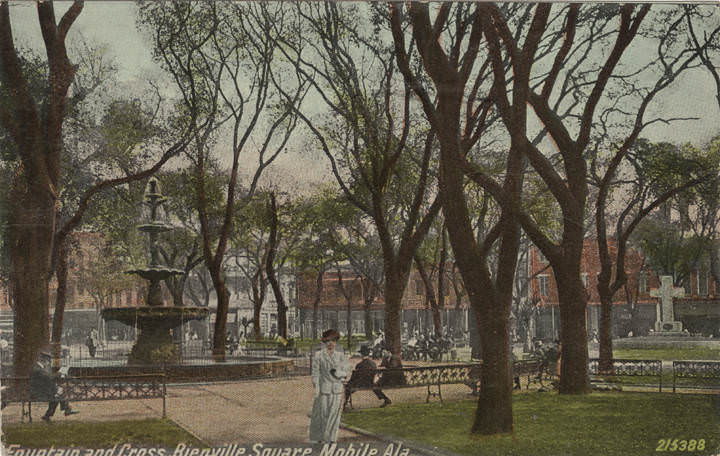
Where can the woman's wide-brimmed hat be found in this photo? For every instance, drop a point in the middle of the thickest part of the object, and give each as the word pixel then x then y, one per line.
pixel 330 334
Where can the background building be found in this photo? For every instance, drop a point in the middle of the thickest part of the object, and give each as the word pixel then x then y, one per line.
pixel 634 309
pixel 416 310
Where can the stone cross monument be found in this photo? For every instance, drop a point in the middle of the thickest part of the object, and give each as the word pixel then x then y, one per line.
pixel 665 322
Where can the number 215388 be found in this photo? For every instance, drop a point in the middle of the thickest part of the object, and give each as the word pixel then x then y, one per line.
pixel 680 445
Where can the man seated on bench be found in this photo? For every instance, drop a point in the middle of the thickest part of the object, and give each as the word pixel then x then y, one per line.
pixel 363 376
pixel 43 386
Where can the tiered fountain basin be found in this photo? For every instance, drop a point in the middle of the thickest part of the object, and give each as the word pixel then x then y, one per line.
pixel 156 352
pixel 194 370
pixel 155 343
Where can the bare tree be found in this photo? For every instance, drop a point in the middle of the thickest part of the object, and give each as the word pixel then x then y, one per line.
pixel 369 141
pixel 221 56
pixel 567 98
pixel 458 111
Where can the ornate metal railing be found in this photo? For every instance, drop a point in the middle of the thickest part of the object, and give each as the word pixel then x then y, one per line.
pixel 80 389
pixel 696 374
pixel 431 375
pixel 138 386
pixel 648 368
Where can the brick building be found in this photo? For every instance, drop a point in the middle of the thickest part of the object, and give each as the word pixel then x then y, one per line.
pixel 333 306
pixel 83 299
pixel 634 309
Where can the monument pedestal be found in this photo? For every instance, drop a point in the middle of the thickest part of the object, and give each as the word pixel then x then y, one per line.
pixel 669 328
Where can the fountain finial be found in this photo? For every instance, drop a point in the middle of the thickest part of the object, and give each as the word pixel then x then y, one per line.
pixel 155 272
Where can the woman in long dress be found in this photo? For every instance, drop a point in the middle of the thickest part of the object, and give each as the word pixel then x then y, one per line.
pixel 329 369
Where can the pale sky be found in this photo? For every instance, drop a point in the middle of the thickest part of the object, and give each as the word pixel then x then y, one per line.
pixel 112 23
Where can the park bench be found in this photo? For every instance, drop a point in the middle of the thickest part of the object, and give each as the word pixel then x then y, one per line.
pixel 696 374
pixel 431 377
pixel 80 389
pixel 650 369
pixel 530 368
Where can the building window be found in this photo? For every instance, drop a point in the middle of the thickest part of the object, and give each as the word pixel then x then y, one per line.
pixel 702 282
pixel 585 279
pixel 643 282
pixel 419 287
pixel 543 284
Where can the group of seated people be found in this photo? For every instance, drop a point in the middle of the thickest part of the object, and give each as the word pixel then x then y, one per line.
pixel 365 372
pixel 363 376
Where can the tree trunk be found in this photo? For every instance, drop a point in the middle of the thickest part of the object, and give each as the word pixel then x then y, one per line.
pixel 348 301
pixel 494 412
pixel 256 321
pixel 270 268
pixel 605 330
pixel 281 307
pixel 369 327
pixel 37 134
pixel 430 297
pixel 491 301
pixel 369 298
pixel 459 317
pixel 395 283
pixel 574 377
pixel 442 280
pixel 437 320
pixel 316 303
pixel 31 218
pixel 259 288
pixel 223 305
pixel 348 322
pixel 61 273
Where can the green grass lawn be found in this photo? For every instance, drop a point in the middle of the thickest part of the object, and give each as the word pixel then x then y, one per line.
pixel 607 424
pixel 97 434
pixel 668 353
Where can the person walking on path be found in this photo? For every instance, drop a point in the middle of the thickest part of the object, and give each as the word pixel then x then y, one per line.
pixel 329 369
pixel 364 376
pixel 43 386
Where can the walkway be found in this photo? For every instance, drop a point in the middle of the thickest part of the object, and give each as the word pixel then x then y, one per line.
pixel 268 411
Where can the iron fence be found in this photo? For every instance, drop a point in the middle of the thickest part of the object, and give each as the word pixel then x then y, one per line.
pixel 696 374
pixel 194 352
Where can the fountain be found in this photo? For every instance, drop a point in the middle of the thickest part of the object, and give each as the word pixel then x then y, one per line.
pixel 154 344
pixel 154 348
